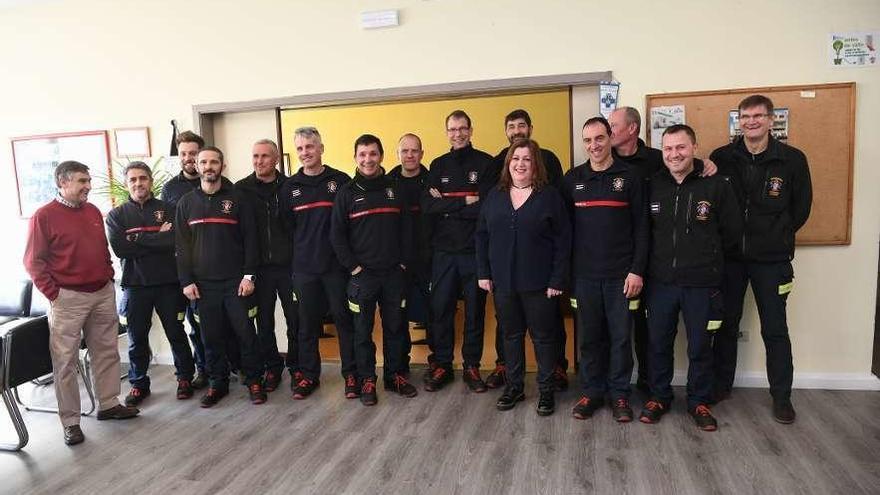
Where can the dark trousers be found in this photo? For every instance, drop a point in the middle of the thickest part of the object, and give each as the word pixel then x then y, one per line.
pixel 558 332
pixel 310 290
pixel 418 306
pixel 533 310
pixel 274 282
pixel 698 305
pixel 220 311
pixel 139 303
pixel 385 288
pixel 605 346
pixel 195 335
pixel 771 284
pixel 454 274
pixel 640 339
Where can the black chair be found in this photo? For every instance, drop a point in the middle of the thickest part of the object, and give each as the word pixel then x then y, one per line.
pixel 15 300
pixel 24 355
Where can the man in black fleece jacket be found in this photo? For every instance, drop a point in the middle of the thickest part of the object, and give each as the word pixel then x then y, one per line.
pixel 307 201
pixel 458 180
pixel 694 221
pixel 370 234
pixel 217 257
pixel 775 192
pixel 262 188
pixel 141 235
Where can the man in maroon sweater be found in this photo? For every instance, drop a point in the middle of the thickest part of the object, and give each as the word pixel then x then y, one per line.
pixel 68 259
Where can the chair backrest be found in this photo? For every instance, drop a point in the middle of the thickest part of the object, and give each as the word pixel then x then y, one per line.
pixel 15 298
pixel 26 350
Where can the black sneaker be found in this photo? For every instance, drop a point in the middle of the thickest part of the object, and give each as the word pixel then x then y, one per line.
pixel 136 395
pixel 213 397
pixel 559 378
pixel 428 372
pixel 304 388
pixel 295 377
pixel 473 380
pixel 200 381
pixel 653 411
pixel 271 381
pixel 401 385
pixel 783 412
pixel 184 389
pixel 438 379
pixel 621 411
pixel 256 393
pixel 509 398
pixel 585 407
pixel 703 418
pixel 368 392
pixel 352 387
pixel 546 403
pixel 498 377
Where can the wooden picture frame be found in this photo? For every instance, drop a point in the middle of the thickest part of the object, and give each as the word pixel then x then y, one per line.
pixel 35 158
pixel 132 142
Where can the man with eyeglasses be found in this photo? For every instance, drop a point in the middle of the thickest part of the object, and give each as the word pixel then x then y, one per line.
pixel 772 182
pixel 458 181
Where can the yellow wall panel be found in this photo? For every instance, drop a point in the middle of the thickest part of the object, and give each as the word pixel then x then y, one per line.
pixel 341 125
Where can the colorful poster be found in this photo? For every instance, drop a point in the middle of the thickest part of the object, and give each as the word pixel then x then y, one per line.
pixel 663 117
pixel 856 49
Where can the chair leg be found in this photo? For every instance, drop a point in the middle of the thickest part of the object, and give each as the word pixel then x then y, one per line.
pixel 17 421
pixel 83 367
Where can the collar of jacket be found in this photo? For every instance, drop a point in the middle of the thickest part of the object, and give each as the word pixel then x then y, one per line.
pixel 149 200
pixel 253 180
pixel 397 173
pixel 641 151
pixel 461 153
pixel 773 151
pixel 370 183
pixel 616 166
pixel 696 173
pixel 311 180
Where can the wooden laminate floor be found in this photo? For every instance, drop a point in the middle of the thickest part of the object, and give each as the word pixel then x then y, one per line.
pixel 448 442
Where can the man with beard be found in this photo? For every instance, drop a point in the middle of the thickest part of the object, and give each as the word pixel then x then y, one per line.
pixel 457 181
pixel 518 125
pixel 217 257
pixel 141 235
pixel 273 274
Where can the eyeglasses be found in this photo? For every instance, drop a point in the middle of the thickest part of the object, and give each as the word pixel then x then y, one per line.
pixel 757 116
pixel 458 129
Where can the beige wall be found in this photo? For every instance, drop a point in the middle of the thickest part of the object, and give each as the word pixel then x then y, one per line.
pixel 91 64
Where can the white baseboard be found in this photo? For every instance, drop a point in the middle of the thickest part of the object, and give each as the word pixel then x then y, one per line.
pixel 825 381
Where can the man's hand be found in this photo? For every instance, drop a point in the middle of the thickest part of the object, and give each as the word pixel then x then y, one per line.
pixel 632 286
pixel 357 270
pixel 485 284
pixel 435 193
pixel 165 227
pixel 245 288
pixel 191 292
pixel 551 292
pixel 469 200
pixel 709 168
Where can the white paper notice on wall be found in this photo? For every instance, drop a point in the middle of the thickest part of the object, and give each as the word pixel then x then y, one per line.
pixel 663 117
pixel 855 49
pixel 608 96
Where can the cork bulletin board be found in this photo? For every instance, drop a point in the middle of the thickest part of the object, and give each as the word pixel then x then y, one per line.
pixel 821 123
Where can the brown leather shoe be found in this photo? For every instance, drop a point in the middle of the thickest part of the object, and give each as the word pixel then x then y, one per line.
pixel 73 435
pixel 118 412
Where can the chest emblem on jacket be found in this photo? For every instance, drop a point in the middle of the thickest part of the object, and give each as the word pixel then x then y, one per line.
pixel 655 208
pixel 703 208
pixel 444 180
pixel 295 193
pixel 159 215
pixel 472 177
pixel 331 186
pixel 774 186
pixel 389 193
pixel 226 206
pixel 579 187
pixel 617 184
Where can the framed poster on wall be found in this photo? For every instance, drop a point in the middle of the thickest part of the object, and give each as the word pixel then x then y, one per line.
pixel 35 159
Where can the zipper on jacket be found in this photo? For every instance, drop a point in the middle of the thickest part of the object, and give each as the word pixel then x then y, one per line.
pixel 674 227
pixel 269 229
pixel 687 222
